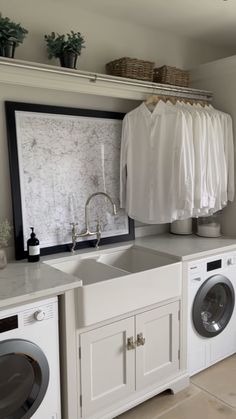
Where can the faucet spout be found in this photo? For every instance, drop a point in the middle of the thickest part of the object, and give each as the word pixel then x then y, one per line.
pixel 87 231
pixel 88 202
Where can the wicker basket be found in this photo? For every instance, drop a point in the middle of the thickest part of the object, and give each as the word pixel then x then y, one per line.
pixel 131 68
pixel 171 75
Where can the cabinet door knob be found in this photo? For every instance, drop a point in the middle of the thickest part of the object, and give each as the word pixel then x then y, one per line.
pixel 140 339
pixel 131 344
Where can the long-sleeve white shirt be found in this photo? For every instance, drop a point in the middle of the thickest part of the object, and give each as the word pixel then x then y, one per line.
pixel 156 184
pixel 225 120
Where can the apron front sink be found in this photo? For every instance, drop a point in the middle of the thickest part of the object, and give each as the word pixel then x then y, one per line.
pixel 120 280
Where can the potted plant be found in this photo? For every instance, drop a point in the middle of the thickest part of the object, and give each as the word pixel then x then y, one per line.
pixel 11 36
pixel 65 47
pixel 5 234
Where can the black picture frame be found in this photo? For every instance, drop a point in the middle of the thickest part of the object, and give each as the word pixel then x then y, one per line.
pixel 10 109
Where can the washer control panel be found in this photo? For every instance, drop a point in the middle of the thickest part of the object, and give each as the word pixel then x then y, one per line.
pixel 38 314
pixel 231 261
pixel 213 264
pixel 31 314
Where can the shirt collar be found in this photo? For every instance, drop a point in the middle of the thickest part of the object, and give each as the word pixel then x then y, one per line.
pixel 160 106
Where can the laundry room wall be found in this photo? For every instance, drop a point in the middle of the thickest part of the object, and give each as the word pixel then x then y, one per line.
pixel 106 39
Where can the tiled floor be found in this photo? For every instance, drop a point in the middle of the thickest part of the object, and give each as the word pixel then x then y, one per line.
pixel 211 395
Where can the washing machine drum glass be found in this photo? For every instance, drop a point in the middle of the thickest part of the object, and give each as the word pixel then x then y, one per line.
pixel 213 306
pixel 24 377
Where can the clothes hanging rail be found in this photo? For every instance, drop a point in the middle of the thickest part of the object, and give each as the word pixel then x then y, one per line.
pixel 154 99
pixel 97 78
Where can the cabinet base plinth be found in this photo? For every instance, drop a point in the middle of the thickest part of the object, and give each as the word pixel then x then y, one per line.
pixel 175 385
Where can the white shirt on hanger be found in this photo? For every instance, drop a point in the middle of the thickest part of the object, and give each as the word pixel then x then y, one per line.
pixel 227 132
pixel 156 181
pixel 187 213
pixel 198 126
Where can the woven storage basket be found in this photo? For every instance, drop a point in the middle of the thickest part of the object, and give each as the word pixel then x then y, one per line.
pixel 171 75
pixel 131 68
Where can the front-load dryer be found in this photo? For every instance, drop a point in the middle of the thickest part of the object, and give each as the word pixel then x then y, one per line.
pixel 29 362
pixel 211 332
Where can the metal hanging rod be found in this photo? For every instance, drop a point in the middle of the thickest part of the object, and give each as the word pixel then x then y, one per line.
pixel 152 88
pixel 157 88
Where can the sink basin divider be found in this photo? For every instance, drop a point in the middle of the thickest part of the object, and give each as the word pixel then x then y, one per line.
pixel 121 271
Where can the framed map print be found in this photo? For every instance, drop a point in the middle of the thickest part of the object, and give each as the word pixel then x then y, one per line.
pixel 59 157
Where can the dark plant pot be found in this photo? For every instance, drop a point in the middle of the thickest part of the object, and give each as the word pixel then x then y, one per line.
pixel 8 49
pixel 68 59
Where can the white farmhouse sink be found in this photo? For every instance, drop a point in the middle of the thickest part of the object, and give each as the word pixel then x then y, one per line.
pixel 120 280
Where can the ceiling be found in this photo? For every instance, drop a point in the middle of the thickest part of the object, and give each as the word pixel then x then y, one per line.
pixel 211 21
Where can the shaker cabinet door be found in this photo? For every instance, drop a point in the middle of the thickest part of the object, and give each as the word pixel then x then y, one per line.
pixel 107 365
pixel 157 350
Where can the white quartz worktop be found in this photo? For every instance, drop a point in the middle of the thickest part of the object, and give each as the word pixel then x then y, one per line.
pixel 22 282
pixel 187 247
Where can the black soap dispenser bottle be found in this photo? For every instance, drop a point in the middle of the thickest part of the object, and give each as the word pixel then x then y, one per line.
pixel 33 247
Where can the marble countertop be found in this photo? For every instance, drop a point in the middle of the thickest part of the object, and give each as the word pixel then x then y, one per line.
pixel 188 247
pixel 21 282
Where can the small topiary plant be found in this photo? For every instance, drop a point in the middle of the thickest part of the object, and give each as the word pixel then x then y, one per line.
pixel 5 233
pixel 11 36
pixel 11 31
pixel 72 42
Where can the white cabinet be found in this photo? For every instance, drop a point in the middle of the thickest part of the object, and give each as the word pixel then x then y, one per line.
pixel 158 357
pixel 126 356
pixel 107 367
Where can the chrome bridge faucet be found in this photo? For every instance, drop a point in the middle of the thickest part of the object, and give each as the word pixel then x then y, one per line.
pixel 87 233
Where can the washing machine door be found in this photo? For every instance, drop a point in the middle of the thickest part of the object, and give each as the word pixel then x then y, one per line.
pixel 24 377
pixel 213 306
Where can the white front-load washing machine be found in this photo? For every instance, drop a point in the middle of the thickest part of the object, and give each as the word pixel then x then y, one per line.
pixel 29 361
pixel 211 332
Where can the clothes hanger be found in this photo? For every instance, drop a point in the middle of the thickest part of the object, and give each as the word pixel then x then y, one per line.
pixel 173 99
pixel 153 99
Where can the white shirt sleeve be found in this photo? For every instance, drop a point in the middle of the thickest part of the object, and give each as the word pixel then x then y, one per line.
pixel 123 162
pixel 227 125
pixel 229 153
pixel 223 196
pixel 185 170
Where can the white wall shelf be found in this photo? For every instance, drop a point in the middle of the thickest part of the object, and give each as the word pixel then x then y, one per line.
pixel 30 74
